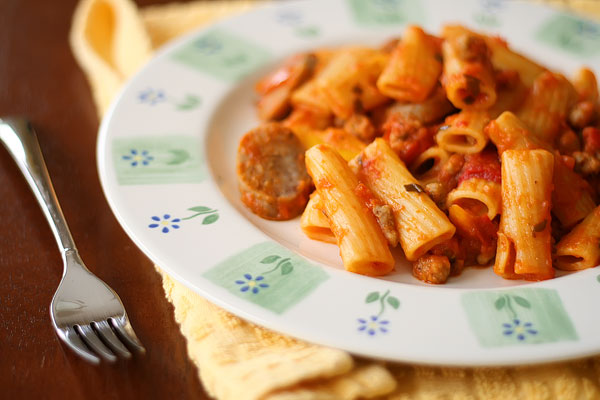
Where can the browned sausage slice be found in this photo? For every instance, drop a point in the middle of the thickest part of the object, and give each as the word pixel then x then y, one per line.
pixel 272 175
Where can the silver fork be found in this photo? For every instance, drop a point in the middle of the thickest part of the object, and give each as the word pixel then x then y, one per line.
pixel 86 313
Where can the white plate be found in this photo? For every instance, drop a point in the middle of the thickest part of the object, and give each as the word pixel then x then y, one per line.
pixel 166 156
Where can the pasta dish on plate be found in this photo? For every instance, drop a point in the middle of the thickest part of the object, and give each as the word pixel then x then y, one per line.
pixel 454 147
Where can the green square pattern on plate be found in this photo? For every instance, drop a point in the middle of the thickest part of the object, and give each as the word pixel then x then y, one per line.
pixel 158 160
pixel 386 12
pixel 268 275
pixel 517 317
pixel 222 55
pixel 571 34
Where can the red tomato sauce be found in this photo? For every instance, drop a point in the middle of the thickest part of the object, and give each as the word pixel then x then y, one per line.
pixel 484 165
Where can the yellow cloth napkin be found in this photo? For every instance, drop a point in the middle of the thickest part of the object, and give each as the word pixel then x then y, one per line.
pixel 237 360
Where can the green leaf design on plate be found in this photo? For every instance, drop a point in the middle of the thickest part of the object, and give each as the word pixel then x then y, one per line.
pixel 286 268
pixel 308 31
pixel 179 157
pixel 500 302
pixel 209 219
pixel 598 278
pixel 189 103
pixel 522 301
pixel 394 302
pixel 371 297
pixel 269 259
pixel 200 209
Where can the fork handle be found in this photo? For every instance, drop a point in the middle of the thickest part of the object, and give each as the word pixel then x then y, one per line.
pixel 19 138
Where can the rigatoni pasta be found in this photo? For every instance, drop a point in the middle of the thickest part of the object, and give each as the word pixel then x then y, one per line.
pixel 468 73
pixel 463 132
pixel 505 59
pixel 348 81
pixel 478 196
pixel 548 103
pixel 314 223
pixel 422 224
pixel 524 239
pixel 580 248
pixel 429 163
pixel 413 69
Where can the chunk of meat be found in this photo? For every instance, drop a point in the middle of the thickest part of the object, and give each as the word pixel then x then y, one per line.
pixel 447 180
pixel 407 137
pixel 383 213
pixel 591 140
pixel 568 142
pixel 586 164
pixel 452 249
pixel 360 126
pixel 385 218
pixel 582 114
pixel 432 268
pixel 271 172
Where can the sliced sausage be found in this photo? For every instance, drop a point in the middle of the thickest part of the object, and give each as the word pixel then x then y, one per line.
pixel 271 172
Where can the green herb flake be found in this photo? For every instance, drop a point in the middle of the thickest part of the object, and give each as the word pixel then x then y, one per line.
pixel 414 187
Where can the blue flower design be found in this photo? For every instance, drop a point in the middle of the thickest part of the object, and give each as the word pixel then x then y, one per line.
pixel 289 17
pixel 519 330
pixel 136 157
pixel 209 45
pixel 166 222
pixel 373 324
pixel 491 5
pixel 389 5
pixel 252 284
pixel 152 96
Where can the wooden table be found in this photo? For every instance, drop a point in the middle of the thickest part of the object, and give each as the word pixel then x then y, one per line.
pixel 39 78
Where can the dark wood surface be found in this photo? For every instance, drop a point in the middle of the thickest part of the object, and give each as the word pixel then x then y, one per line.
pixel 39 78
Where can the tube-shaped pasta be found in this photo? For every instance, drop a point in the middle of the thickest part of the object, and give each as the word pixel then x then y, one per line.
pixel 479 191
pixel 509 99
pixel 547 106
pixel 468 74
pixel 413 69
pixel 506 59
pixel 343 142
pixel 314 223
pixel 586 85
pixel 348 81
pixel 569 206
pixel 304 118
pixel 463 132
pixel 524 237
pixel 427 166
pixel 579 248
pixel 572 201
pixel 275 89
pixel 477 196
pixel 363 247
pixel 507 132
pixel 420 223
pixel 308 95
